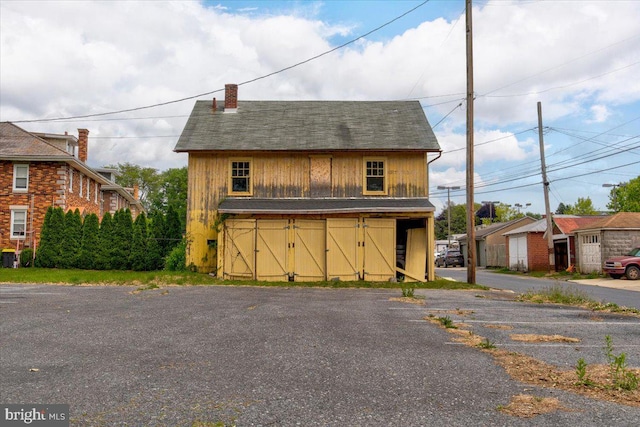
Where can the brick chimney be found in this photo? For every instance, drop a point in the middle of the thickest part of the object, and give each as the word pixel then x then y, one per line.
pixel 136 191
pixel 83 145
pixel 230 97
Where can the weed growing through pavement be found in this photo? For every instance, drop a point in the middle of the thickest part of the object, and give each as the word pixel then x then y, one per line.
pixel 581 372
pixel 486 344
pixel 446 322
pixel 408 292
pixel 622 378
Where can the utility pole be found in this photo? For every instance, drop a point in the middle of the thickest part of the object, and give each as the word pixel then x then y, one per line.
pixel 471 230
pixel 545 183
pixel 448 188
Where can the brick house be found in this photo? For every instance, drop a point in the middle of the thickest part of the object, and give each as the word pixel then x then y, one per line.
pixel 38 170
pixel 309 190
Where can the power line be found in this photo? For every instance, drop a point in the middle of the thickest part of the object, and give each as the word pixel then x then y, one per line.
pixel 160 104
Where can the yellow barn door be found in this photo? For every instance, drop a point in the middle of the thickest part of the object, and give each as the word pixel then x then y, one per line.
pixel 239 249
pixel 309 250
pixel 379 248
pixel 271 250
pixel 342 249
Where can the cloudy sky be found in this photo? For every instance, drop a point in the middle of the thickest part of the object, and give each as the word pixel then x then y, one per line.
pixel 580 59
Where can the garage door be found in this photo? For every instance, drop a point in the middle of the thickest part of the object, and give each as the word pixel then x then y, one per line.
pixel 518 253
pixel 309 250
pixel 271 250
pixel 239 249
pixel 342 249
pixel 590 259
pixel 379 248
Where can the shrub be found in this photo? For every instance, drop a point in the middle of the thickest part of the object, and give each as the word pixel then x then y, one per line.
pixel 26 258
pixel 177 258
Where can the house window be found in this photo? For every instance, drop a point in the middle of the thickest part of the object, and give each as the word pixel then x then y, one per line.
pixel 80 190
pixel 70 180
pixel 88 187
pixel 20 177
pixel 240 177
pixel 375 176
pixel 95 195
pixel 18 223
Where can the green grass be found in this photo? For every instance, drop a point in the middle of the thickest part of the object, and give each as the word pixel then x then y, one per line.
pixel 561 275
pixel 570 295
pixel 165 278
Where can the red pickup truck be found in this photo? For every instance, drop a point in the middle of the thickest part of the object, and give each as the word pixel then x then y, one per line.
pixel 626 265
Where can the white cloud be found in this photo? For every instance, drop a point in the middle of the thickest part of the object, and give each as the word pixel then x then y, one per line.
pixel 75 58
pixel 600 113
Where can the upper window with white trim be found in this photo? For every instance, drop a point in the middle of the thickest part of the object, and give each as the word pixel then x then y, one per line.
pixel 240 177
pixel 375 182
pixel 18 223
pixel 20 177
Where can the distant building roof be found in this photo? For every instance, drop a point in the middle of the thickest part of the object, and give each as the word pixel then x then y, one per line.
pixel 621 220
pixel 483 232
pixel 308 126
pixel 566 224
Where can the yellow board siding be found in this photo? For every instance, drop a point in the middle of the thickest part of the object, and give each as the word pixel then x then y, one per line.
pixel 271 250
pixel 416 254
pixel 379 255
pixel 287 175
pixel 239 249
pixel 405 174
pixel 309 250
pixel 342 249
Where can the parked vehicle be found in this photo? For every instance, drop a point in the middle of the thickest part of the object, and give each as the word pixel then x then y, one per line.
pixel 450 257
pixel 626 265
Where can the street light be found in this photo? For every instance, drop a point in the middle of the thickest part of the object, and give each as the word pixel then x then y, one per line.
pixel 615 193
pixel 448 188
pixel 484 202
pixel 519 206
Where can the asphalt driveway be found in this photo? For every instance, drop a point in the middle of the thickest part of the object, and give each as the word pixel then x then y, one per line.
pixel 181 356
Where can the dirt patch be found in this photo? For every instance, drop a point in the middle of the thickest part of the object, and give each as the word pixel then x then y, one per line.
pixel 541 338
pixel 528 406
pixel 408 300
pixel 502 327
pixel 596 384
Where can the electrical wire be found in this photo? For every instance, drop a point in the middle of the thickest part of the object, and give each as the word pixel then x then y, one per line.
pixel 160 104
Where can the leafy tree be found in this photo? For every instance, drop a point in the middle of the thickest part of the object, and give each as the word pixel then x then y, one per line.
pixel 156 243
pixel 138 254
pixel 147 180
pixel 582 207
pixel 172 191
pixel 562 209
pixel 107 243
pixel 70 245
pixel 90 244
pixel 51 235
pixel 626 197
pixel 458 221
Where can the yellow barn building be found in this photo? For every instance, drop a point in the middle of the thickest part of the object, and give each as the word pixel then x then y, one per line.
pixel 309 190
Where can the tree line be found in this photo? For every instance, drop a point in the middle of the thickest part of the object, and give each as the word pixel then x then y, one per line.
pixel 115 243
pixel 623 197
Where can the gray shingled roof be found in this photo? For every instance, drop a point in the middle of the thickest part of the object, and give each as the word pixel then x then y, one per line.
pixel 329 205
pixel 17 142
pixel 309 125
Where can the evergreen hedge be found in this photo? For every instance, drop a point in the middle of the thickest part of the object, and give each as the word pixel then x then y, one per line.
pixel 116 243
